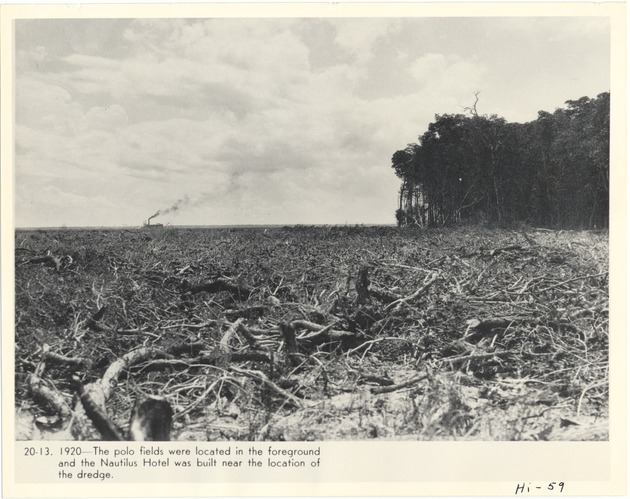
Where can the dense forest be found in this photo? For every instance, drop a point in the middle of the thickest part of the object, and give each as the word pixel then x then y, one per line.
pixel 552 172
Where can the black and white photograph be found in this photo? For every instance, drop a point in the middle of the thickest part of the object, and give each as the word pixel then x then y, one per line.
pixel 312 229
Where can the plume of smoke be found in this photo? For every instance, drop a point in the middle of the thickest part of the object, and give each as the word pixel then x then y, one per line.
pixel 176 206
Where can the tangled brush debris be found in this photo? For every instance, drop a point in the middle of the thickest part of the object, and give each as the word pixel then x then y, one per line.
pixel 302 333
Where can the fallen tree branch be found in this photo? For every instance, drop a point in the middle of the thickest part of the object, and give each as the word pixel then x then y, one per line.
pixel 253 356
pixel 379 380
pixel 323 333
pixel 290 344
pixel 580 278
pixel 478 329
pixel 362 285
pixel 199 399
pixel 239 292
pixel 208 358
pixel 97 414
pixel 40 391
pixel 262 377
pixel 369 343
pixel 115 369
pixel 224 343
pixel 247 334
pixel 311 326
pixel 497 251
pixel 50 260
pixel 399 303
pixel 384 295
pixel 93 321
pixel 190 348
pixel 98 392
pixel 386 389
pixel 252 312
pixel 56 358
pixel 479 356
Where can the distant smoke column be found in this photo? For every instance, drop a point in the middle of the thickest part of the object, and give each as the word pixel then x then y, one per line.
pixel 153 216
pixel 180 203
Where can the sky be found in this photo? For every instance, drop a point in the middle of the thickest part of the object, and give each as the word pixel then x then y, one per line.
pixel 265 121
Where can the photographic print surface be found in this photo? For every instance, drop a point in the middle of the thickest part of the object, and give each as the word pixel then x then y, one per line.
pixel 312 229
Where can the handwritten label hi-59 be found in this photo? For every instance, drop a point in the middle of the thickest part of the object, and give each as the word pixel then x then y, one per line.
pixel 533 488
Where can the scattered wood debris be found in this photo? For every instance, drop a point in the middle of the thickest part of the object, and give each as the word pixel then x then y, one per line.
pixel 296 318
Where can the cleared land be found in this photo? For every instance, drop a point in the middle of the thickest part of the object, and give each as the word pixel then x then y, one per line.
pixel 304 333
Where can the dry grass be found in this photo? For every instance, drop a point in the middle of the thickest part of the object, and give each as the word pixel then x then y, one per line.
pixel 503 334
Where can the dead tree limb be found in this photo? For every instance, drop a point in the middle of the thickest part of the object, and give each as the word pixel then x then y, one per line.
pixel 478 329
pixel 473 109
pixel 318 332
pixel 362 285
pixel 498 251
pixel 50 260
pixel 262 377
pixel 580 278
pixel 290 343
pixel 372 378
pixel 384 295
pixel 42 392
pixel 239 292
pixel 98 415
pixel 56 358
pixel 401 301
pixel 302 324
pixel 386 389
pixel 115 369
pixel 251 356
pixel 247 334
pixel 100 391
pixel 479 356
pixel 191 348
pixel 224 343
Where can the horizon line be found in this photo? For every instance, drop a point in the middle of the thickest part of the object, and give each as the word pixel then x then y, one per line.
pixel 166 226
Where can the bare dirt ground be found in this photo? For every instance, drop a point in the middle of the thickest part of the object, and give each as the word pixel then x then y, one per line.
pixel 311 333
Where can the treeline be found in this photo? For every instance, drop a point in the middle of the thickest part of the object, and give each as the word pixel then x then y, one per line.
pixel 551 172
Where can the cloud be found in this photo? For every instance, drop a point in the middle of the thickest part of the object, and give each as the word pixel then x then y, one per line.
pixel 31 59
pixel 46 105
pixel 105 118
pixel 91 61
pixel 358 37
pixel 447 73
pixel 38 201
